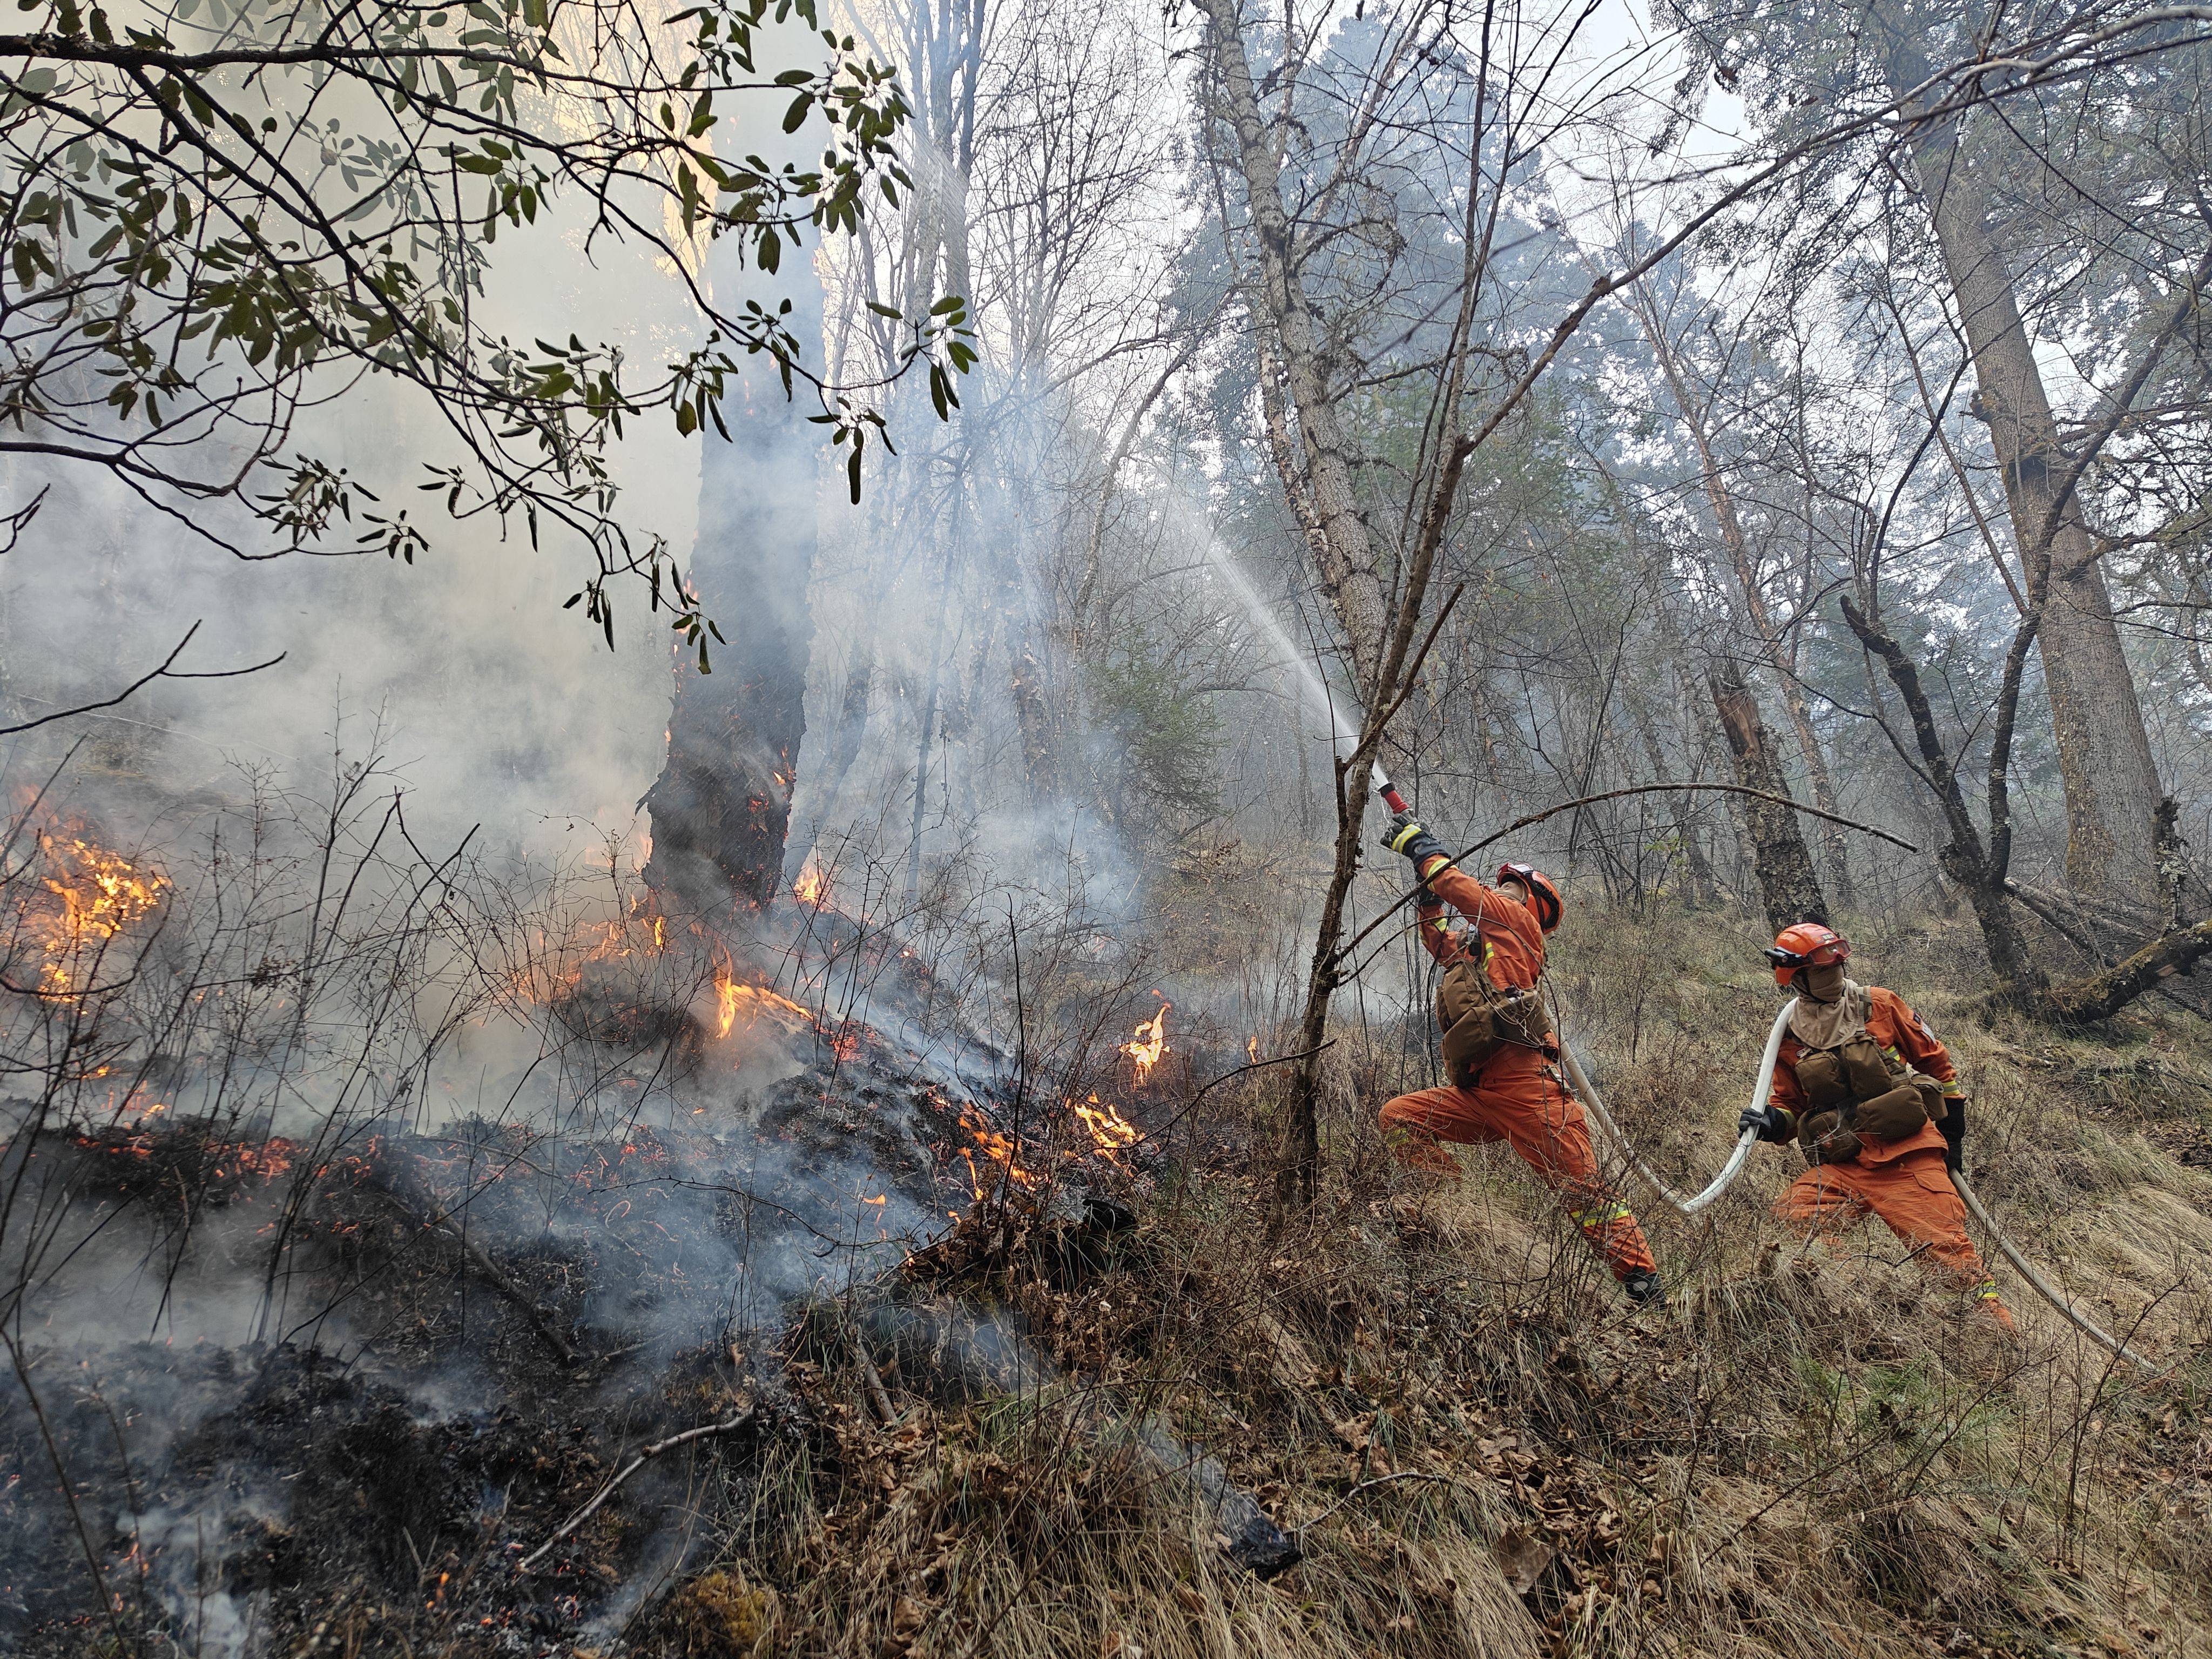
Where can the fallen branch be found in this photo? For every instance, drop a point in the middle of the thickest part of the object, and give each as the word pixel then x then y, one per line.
pixel 2103 994
pixel 707 1431
pixel 1349 945
pixel 493 1274
pixel 2044 910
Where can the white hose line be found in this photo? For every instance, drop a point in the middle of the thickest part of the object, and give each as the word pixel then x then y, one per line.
pixel 1587 1092
pixel 2043 1287
pixel 2027 1270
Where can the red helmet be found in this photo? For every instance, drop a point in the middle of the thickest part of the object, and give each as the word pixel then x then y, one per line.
pixel 1804 945
pixel 1541 894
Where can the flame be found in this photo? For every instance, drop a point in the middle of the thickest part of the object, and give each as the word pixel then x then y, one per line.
pixel 732 996
pixel 1109 1131
pixel 812 887
pixel 101 893
pixel 997 1151
pixel 1252 1047
pixel 725 997
pixel 1150 1043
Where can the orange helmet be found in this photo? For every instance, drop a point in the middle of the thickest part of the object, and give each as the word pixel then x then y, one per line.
pixel 1804 945
pixel 1541 894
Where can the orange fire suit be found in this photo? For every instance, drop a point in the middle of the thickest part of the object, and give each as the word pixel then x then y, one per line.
pixel 1518 1096
pixel 1903 1182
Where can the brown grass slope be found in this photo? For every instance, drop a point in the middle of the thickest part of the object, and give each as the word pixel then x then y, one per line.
pixel 1816 1451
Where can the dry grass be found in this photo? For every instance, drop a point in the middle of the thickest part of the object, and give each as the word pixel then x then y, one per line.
pixel 1817 1450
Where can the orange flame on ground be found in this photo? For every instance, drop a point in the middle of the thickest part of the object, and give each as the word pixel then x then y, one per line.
pixel 101 894
pixel 1112 1132
pixel 1150 1043
pixel 998 1153
pixel 732 996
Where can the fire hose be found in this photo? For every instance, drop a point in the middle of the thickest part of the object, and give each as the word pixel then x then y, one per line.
pixel 2027 1270
pixel 2043 1287
pixel 1587 1092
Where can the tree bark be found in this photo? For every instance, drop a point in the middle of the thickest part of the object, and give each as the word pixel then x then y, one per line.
pixel 1737 544
pixel 721 806
pixel 2104 751
pixel 1788 886
pixel 1344 551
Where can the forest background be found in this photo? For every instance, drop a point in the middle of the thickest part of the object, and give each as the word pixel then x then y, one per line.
pixel 1070 444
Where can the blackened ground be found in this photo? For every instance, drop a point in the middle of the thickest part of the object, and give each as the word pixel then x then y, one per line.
pixel 454 1340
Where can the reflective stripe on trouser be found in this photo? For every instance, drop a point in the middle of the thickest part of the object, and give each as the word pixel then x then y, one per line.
pixel 1915 1198
pixel 1520 1100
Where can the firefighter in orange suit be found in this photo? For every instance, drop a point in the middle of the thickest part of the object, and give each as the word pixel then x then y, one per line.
pixel 1505 1080
pixel 1873 1101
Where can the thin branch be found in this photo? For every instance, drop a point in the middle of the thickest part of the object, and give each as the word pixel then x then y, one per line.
pixel 729 1425
pixel 166 671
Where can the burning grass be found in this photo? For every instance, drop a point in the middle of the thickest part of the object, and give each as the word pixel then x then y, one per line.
pixel 406 1361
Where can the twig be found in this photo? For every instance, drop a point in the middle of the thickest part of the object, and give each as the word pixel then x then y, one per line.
pixel 163 672
pixel 497 1276
pixel 879 1398
pixel 729 1425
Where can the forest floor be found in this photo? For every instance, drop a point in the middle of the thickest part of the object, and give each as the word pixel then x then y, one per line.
pixel 1479 1446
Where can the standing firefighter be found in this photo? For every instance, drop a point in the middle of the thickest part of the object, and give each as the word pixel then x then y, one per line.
pixel 1498 1051
pixel 1871 1099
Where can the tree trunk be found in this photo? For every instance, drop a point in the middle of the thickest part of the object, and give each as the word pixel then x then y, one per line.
pixel 1344 550
pixel 1788 886
pixel 1722 499
pixel 2104 752
pixel 1978 866
pixel 721 806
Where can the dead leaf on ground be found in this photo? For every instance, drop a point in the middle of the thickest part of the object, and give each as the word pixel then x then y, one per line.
pixel 1523 1559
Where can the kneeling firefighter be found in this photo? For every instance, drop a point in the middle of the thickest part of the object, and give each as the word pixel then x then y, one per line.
pixel 1873 1101
pixel 1499 1053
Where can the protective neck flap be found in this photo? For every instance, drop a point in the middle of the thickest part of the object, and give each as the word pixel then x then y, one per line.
pixel 1825 1024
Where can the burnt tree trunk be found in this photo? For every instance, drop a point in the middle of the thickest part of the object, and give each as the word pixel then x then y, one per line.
pixel 1789 885
pixel 721 806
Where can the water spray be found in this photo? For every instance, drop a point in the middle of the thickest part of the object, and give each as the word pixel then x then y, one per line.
pixel 1309 681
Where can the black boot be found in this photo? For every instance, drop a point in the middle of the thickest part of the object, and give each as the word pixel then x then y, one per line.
pixel 1645 1289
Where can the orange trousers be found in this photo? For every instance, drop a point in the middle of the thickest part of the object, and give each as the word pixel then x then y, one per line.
pixel 1518 1098
pixel 1914 1197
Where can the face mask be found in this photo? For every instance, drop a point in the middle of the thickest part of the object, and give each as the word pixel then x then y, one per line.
pixel 1826 983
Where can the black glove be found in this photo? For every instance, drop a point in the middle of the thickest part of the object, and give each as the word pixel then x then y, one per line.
pixel 1772 1122
pixel 1954 1126
pixel 1405 834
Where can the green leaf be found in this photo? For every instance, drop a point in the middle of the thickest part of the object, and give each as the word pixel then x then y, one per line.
pixel 795 117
